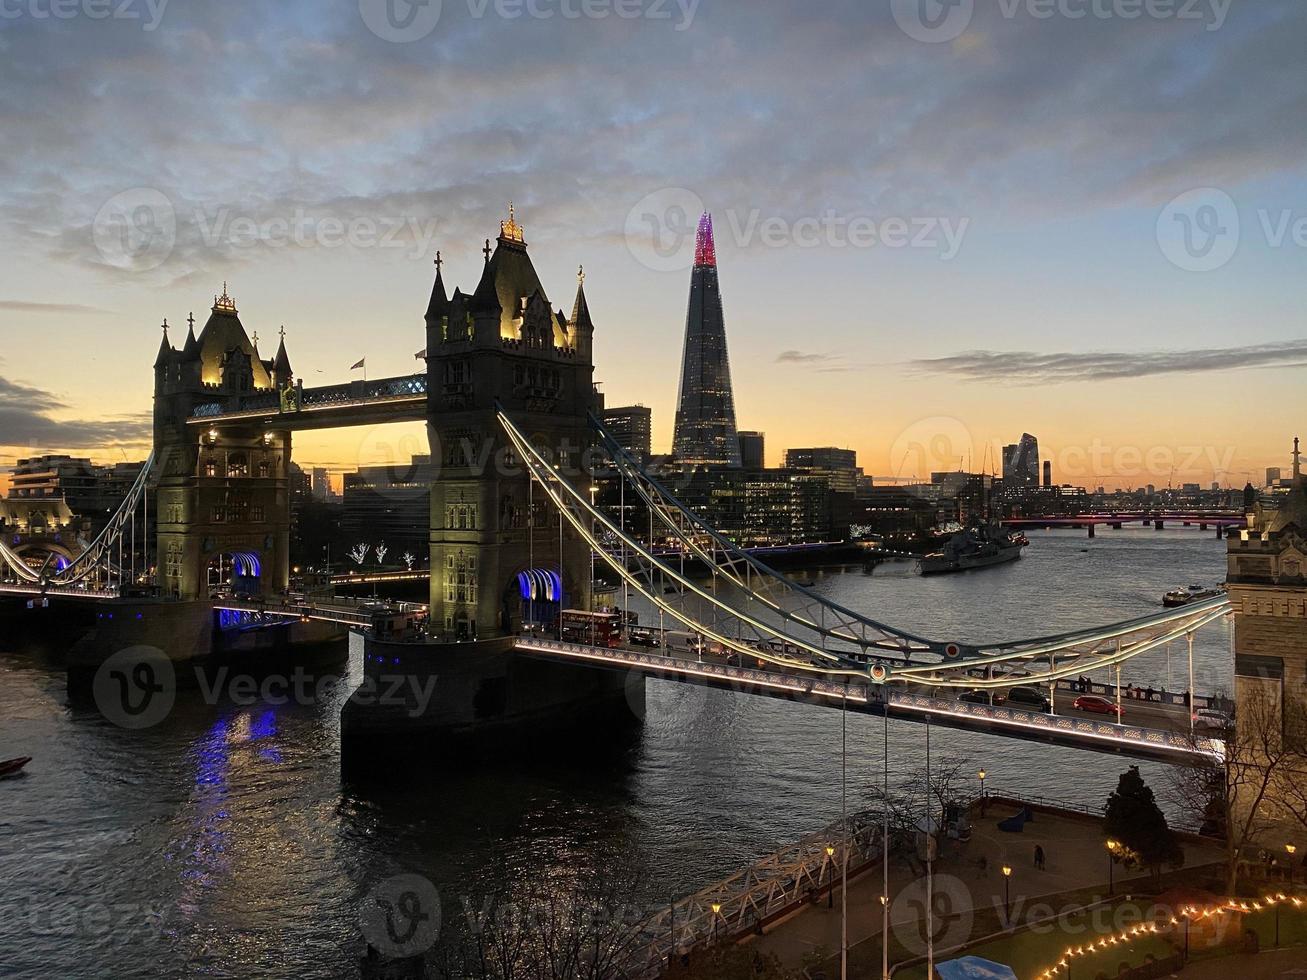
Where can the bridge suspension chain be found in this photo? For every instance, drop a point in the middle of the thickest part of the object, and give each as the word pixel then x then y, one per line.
pixel 118 534
pixel 650 569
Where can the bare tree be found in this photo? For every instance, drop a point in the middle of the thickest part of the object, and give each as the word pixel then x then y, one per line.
pixel 409 558
pixel 381 550
pixel 1257 786
pixel 359 553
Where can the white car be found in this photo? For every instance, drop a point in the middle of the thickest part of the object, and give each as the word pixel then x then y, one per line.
pixel 1209 719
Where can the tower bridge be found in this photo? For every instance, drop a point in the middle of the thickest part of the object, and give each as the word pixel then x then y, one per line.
pixel 509 401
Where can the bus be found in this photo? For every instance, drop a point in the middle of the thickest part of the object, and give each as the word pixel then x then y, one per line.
pixel 599 629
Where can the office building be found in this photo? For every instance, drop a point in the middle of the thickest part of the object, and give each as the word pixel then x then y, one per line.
pixel 752 450
pixel 632 427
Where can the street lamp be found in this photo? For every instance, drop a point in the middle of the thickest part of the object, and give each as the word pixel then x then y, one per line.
pixel 1111 860
pixel 981 774
pixel 830 895
pixel 716 914
pixel 1007 891
pixel 1289 849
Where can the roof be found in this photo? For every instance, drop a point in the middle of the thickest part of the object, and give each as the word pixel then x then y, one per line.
pixel 507 280
pixel 222 334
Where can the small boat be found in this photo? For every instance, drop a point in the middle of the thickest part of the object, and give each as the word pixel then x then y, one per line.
pixel 12 767
pixel 1195 593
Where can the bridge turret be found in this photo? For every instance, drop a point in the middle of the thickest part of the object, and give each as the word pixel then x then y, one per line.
pixel 283 373
pixel 581 327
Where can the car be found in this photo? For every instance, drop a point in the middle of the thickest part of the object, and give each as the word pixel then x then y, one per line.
pixel 1096 704
pixel 1028 697
pixel 979 697
pixel 1211 720
pixel 643 638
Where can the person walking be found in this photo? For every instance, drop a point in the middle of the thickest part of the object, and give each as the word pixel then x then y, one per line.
pixel 1039 857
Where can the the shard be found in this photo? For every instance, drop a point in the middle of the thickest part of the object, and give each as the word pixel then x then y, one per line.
pixel 705 416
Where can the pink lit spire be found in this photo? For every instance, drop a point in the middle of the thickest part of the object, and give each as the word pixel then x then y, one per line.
pixel 705 252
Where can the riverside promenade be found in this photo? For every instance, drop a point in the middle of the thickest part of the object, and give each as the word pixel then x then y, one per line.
pixel 969 887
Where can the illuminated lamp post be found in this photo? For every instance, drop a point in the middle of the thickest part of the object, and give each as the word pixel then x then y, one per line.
pixel 830 895
pixel 1111 860
pixel 716 914
pixel 1007 891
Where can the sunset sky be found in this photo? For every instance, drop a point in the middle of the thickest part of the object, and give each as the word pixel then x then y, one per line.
pixel 1090 228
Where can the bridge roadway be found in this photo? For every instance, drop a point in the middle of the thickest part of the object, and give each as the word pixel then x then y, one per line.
pixel 1165 736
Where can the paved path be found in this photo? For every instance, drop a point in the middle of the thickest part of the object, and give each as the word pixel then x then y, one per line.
pixel 969 876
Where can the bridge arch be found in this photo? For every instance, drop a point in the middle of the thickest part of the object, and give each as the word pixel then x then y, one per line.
pixel 234 571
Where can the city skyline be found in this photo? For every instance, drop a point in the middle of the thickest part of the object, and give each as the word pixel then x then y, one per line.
pixel 1050 296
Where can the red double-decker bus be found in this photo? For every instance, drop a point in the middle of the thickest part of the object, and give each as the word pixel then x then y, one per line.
pixel 598 629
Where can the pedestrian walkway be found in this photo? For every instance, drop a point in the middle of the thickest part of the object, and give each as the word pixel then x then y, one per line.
pixel 968 879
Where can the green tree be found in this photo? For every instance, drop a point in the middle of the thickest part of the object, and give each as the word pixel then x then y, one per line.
pixel 1138 825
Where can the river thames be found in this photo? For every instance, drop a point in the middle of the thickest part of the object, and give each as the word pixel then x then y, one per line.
pixel 222 843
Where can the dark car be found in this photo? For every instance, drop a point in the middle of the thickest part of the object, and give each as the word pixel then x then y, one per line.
pixel 979 697
pixel 1027 697
pixel 643 638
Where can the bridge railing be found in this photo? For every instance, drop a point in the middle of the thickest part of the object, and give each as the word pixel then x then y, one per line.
pixel 771 885
pixel 341 395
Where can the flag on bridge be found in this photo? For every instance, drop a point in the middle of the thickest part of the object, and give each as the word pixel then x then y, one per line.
pixel 361 364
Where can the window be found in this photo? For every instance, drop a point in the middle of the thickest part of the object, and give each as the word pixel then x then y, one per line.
pixel 219 515
pixel 210 467
pixel 265 469
pixel 256 513
pixel 238 465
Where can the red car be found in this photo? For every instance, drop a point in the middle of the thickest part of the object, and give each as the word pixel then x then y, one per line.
pixel 1097 705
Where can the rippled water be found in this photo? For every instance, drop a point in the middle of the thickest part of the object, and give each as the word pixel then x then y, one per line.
pixel 222 843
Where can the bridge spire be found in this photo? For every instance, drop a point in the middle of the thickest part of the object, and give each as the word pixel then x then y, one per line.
pixel 438 306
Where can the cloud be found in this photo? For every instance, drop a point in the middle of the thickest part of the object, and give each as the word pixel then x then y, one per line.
pixel 26 420
pixel 802 357
pixel 1030 368
pixel 19 306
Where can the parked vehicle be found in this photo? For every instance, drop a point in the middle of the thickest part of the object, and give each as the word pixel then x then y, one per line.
pixel 980 697
pixel 1096 704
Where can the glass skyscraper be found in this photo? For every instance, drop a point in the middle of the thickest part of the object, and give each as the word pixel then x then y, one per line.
pixel 705 417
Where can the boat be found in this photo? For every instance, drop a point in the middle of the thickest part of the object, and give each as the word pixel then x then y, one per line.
pixel 12 767
pixel 1195 593
pixel 974 547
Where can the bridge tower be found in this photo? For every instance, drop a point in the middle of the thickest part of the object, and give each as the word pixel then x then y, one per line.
pixel 1267 579
pixel 494 543
pixel 222 505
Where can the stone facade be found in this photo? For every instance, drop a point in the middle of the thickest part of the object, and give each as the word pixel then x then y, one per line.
pixel 223 494
pixel 504 345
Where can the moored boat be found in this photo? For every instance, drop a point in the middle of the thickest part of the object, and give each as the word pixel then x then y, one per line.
pixel 12 767
pixel 974 547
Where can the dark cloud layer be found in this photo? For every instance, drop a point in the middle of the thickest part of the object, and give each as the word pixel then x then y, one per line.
pixel 256 111
pixel 26 420
pixel 1030 368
